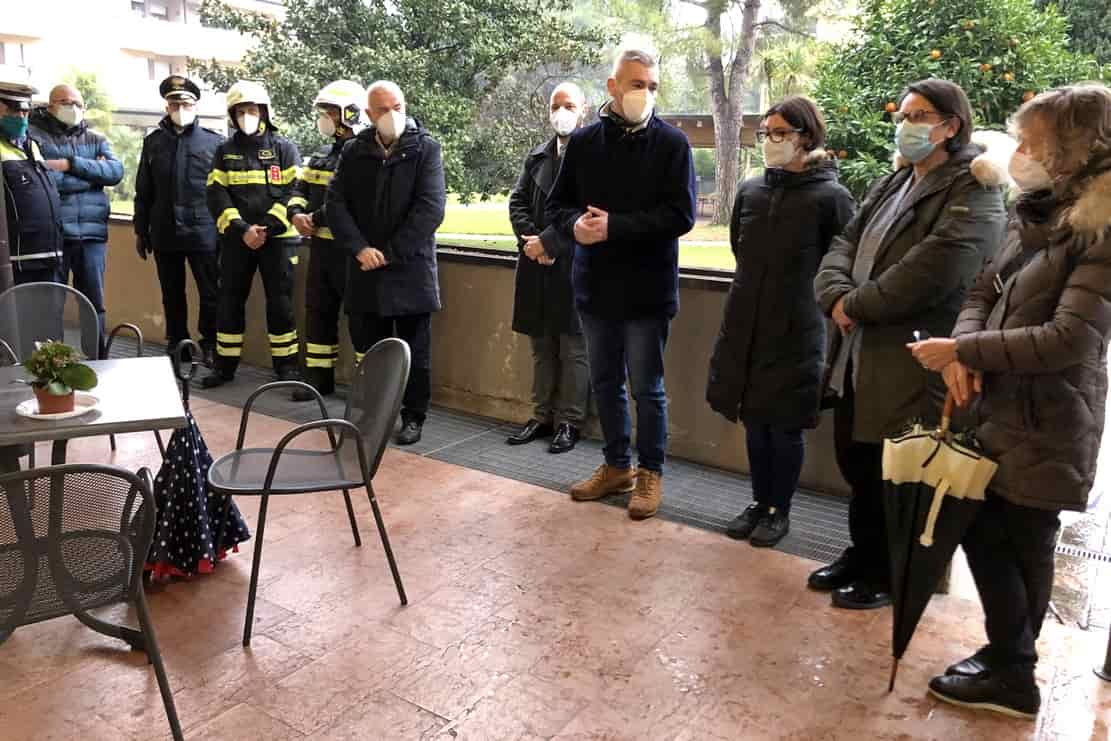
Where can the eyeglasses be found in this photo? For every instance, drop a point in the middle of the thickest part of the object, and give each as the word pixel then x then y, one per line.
pixel 776 135
pixel 918 117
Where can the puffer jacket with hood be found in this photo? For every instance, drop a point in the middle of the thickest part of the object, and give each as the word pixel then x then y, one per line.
pixel 1037 324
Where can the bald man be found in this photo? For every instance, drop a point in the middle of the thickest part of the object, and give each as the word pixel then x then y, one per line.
pixel 82 164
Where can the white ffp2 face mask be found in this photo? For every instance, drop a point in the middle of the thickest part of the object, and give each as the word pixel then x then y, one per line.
pixel 564 121
pixel 778 154
pixel 248 123
pixel 390 125
pixel 183 117
pixel 1029 175
pixel 70 115
pixel 637 105
pixel 326 126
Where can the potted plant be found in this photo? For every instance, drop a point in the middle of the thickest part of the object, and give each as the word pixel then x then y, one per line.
pixel 57 372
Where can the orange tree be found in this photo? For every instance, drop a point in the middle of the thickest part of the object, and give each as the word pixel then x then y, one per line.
pixel 1000 51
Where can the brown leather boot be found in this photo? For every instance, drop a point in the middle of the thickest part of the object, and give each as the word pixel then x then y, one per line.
pixel 647 495
pixel 606 480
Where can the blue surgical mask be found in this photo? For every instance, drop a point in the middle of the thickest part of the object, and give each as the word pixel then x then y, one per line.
pixel 13 128
pixel 913 141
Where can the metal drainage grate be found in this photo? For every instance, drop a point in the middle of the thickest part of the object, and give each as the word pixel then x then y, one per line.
pixel 1075 552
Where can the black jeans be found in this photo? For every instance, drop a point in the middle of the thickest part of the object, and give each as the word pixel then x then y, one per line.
pixel 206 274
pixel 775 461
pixel 415 329
pixel 1010 553
pixel 861 464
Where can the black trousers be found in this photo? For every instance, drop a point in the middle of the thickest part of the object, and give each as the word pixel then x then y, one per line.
pixel 238 265
pixel 1010 553
pixel 324 291
pixel 861 464
pixel 775 457
pixel 415 329
pixel 205 267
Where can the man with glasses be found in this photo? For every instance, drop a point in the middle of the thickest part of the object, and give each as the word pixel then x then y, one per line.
pixel 171 217
pixel 83 166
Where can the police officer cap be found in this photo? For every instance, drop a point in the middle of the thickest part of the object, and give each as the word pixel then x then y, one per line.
pixel 16 88
pixel 176 87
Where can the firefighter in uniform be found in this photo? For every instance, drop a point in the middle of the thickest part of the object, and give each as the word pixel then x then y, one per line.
pixel 339 109
pixel 31 198
pixel 251 181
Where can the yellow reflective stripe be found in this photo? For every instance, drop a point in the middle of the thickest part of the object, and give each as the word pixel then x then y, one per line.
pixel 218 176
pixel 10 153
pixel 228 337
pixel 229 352
pixel 321 349
pixel 320 362
pixel 283 352
pixel 279 339
pixel 294 260
pixel 298 201
pixel 323 233
pixel 278 211
pixel 226 218
pixel 359 357
pixel 316 177
pixel 247 177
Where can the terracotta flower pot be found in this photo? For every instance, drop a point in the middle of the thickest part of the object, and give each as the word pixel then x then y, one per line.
pixel 52 404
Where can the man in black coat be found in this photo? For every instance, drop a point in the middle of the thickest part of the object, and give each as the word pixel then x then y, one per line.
pixel 625 194
pixel 172 219
pixel 384 204
pixel 543 305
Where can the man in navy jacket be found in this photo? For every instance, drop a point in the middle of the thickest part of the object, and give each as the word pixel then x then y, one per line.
pixel 83 166
pixel 626 193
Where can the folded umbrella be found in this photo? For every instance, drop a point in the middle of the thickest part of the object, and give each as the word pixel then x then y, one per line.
pixel 934 484
pixel 189 523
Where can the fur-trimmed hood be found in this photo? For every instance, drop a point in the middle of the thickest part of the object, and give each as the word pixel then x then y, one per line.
pixel 1090 214
pixel 990 166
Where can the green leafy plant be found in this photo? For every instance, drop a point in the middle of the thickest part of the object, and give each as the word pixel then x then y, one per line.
pixel 1001 52
pixel 56 367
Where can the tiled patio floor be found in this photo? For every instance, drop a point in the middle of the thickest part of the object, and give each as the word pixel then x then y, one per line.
pixel 530 617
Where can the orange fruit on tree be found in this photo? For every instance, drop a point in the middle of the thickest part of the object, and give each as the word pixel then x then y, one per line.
pixel 985 67
pixel 935 54
pixel 891 107
pixel 842 155
pixel 1009 76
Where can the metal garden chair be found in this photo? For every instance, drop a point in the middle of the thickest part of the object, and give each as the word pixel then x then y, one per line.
pixel 356 445
pixel 72 539
pixel 33 312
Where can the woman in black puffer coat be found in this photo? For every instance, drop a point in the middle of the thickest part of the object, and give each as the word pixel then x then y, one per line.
pixel 766 369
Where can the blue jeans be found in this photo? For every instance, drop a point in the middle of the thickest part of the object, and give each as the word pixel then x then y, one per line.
pixel 86 262
pixel 631 348
pixel 775 462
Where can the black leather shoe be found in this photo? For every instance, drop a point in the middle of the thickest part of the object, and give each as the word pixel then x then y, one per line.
pixel 743 524
pixel 770 530
pixel 838 574
pixel 533 430
pixel 860 596
pixel 974 666
pixel 410 432
pixel 208 356
pixel 565 438
pixel 214 379
pixel 291 373
pixel 1016 696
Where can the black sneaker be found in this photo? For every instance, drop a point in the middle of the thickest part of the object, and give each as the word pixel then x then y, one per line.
pixel 861 596
pixel 1016 696
pixel 214 379
pixel 743 524
pixel 772 527
pixel 410 432
pixel 838 574
pixel 974 666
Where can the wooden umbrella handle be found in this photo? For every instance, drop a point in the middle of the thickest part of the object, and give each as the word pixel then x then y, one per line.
pixel 947 412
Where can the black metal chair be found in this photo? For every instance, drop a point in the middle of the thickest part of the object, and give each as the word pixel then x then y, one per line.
pixel 74 538
pixel 34 312
pixel 350 462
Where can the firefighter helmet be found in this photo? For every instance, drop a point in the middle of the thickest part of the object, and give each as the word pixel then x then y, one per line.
pixel 349 97
pixel 247 91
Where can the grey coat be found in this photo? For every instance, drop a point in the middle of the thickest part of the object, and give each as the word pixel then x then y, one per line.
pixel 1041 342
pixel 928 259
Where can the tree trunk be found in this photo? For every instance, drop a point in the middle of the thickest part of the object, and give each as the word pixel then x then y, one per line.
pixel 727 98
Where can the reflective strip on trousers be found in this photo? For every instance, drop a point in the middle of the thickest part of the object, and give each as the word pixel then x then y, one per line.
pixel 283 345
pixel 229 344
pixel 320 356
